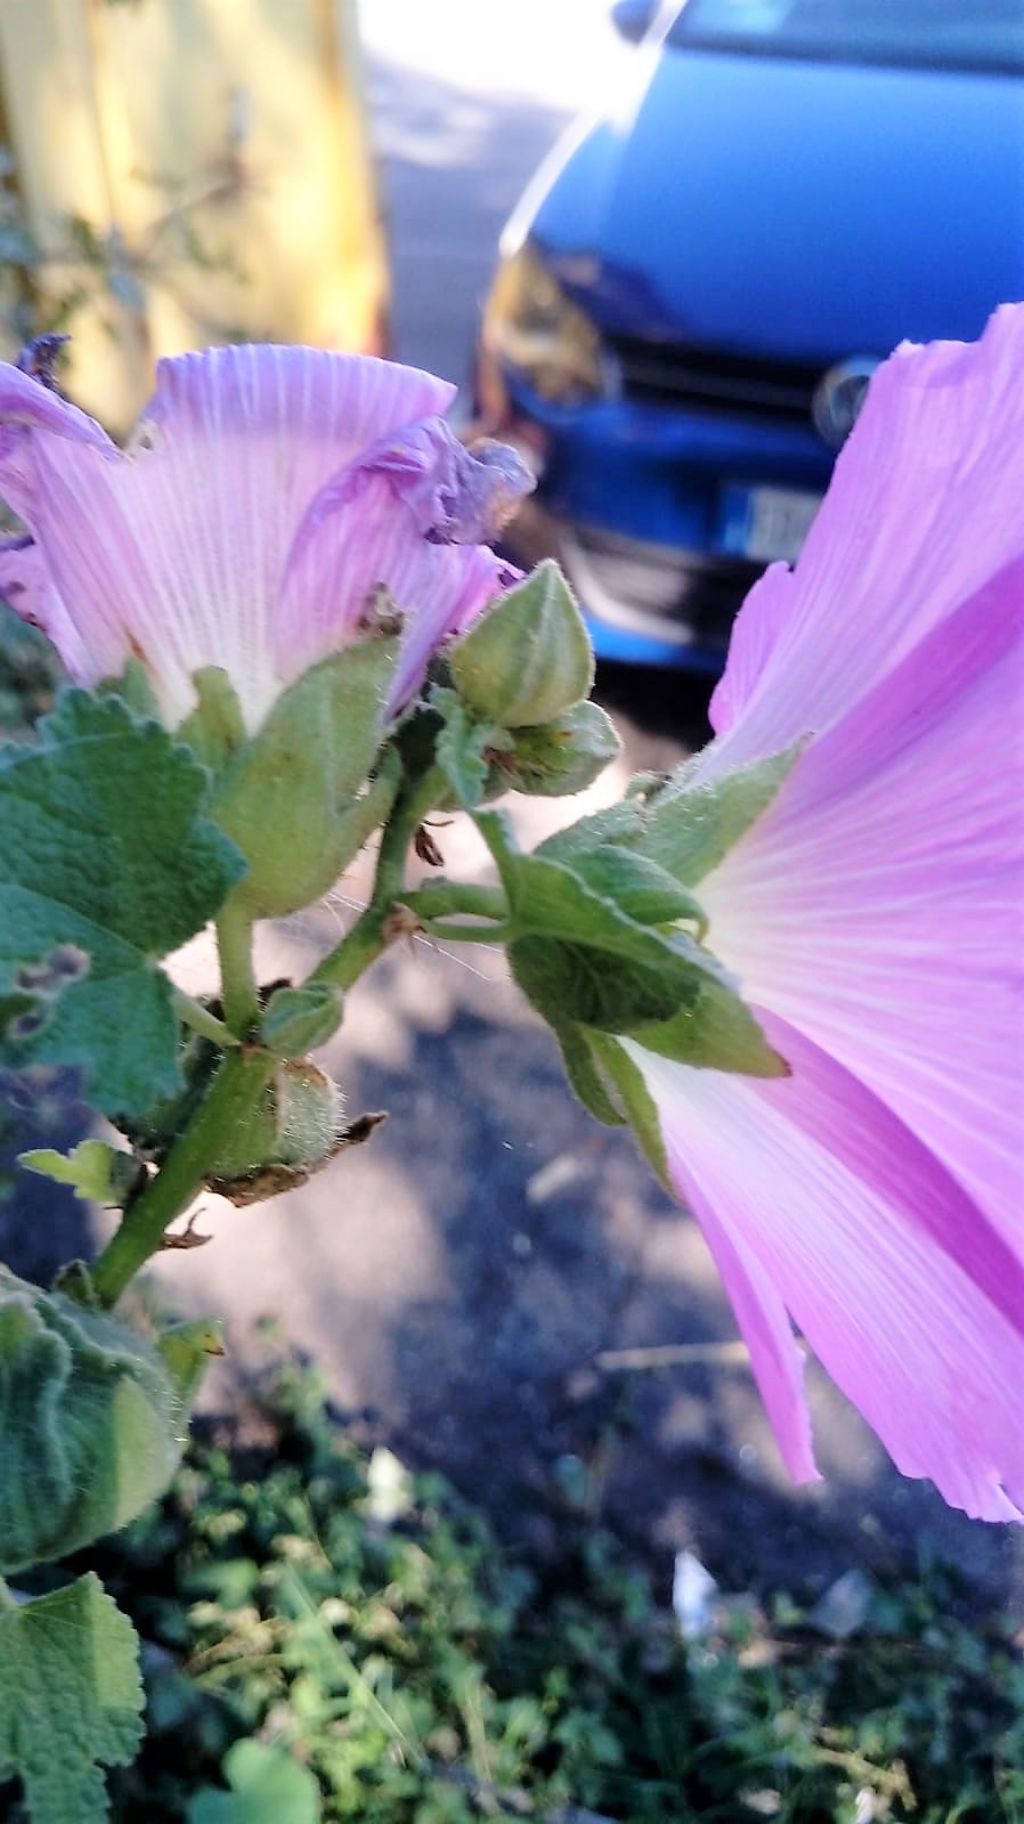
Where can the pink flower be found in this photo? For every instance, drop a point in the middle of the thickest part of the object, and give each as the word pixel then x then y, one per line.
pixel 265 496
pixel 874 917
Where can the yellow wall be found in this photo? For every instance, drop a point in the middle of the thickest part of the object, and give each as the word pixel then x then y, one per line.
pixel 241 120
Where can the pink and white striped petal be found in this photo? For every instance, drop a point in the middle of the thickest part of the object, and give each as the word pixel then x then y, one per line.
pixel 175 550
pixel 878 905
pixel 908 1296
pixel 923 509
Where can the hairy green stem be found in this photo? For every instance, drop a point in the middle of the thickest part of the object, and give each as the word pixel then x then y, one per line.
pixel 439 898
pixel 233 1095
pixel 192 1013
pixel 238 983
pixel 452 932
pixel 369 935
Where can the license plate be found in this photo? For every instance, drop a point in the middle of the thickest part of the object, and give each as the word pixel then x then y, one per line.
pixel 766 523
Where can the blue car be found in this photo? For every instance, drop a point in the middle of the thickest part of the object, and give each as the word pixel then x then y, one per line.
pixel 695 290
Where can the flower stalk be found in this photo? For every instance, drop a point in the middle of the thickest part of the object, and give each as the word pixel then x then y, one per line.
pixel 233 1097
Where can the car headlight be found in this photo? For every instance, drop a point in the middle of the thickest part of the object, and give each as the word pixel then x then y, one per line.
pixel 532 327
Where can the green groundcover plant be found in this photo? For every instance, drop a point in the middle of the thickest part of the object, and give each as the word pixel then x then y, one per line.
pixel 793 968
pixel 327 1637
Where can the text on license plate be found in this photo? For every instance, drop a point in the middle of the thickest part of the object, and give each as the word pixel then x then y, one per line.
pixel 766 523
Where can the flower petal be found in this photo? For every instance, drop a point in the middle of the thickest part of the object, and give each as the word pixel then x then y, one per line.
pixel 938 447
pixel 405 517
pixel 908 1296
pixel 878 904
pixel 27 586
pixel 176 550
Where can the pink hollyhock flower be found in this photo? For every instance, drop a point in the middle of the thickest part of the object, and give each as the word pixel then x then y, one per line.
pixel 874 916
pixel 266 495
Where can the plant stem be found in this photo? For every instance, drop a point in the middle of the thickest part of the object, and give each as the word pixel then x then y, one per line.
pixel 233 1095
pixel 439 898
pixel 192 1013
pixel 369 937
pixel 456 933
pixel 238 983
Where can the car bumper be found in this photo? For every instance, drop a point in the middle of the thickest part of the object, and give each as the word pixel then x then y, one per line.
pixel 645 603
pixel 636 503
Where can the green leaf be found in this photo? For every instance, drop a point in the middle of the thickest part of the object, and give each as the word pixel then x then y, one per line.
pixel 462 744
pixel 106 865
pixel 287 797
pixel 186 1349
pixel 96 1172
pixel 90 1425
pixel 689 829
pixel 70 1700
pixel 268 1786
pixel 578 957
pixel 297 1020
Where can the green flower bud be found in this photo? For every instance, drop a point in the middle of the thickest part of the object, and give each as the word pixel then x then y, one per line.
pixel 528 659
pixel 91 1425
pixel 296 1124
pixel 560 757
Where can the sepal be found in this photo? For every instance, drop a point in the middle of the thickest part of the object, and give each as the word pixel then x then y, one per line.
pixel 290 797
pixel 560 757
pixel 297 1020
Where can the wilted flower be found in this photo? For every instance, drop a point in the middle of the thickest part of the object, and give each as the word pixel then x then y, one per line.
pixel 269 497
pixel 874 916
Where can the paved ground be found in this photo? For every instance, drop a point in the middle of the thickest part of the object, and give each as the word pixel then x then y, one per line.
pixel 458 1277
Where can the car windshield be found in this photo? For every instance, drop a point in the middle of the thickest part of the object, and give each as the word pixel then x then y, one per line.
pixel 944 34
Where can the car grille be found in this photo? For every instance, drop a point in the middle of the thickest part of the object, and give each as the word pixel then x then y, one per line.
pixel 670 373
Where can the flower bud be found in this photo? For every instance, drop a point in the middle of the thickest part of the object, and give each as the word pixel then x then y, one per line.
pixel 528 659
pixel 91 1425
pixel 295 1124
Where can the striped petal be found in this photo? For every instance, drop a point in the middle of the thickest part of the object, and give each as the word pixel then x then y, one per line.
pixel 175 551
pixel 937 449
pixel 909 1297
pixel 878 905
pixel 406 518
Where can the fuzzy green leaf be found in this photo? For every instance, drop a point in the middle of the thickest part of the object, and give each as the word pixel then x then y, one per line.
pixel 268 1786
pixel 96 1172
pixel 106 865
pixel 70 1700
pixel 690 828
pixel 90 1425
